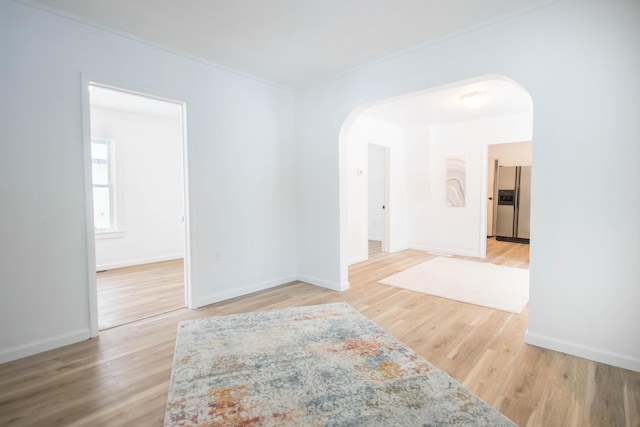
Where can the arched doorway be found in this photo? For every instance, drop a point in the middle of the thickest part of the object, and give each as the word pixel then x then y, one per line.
pixel 431 127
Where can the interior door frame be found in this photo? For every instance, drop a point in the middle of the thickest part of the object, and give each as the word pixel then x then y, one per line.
pixel 386 173
pixel 89 80
pixel 385 190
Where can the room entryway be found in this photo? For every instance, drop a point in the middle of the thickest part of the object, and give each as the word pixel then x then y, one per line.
pixel 137 205
pixel 134 293
pixel 378 196
pixel 438 195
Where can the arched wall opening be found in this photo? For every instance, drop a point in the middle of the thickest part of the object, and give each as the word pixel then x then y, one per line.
pixel 421 132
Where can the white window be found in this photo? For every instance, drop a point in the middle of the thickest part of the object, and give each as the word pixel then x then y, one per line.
pixel 103 173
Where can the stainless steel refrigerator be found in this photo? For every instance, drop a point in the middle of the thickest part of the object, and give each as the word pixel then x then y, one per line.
pixel 513 204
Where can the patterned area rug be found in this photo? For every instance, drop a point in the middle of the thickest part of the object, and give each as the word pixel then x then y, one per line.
pixel 323 365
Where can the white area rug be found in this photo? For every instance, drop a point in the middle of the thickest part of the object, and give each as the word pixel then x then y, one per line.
pixel 488 285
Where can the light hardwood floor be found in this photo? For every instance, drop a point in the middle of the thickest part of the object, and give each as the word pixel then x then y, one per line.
pixel 122 377
pixel 134 293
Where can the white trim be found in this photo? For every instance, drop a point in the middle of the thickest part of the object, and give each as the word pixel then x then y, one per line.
pixel 89 79
pixel 244 290
pixel 44 345
pixel 590 353
pixel 139 262
pixel 114 197
pixel 249 289
pixel 376 238
pixel 444 251
pixel 190 294
pixel 358 259
pixel 90 229
pixel 339 287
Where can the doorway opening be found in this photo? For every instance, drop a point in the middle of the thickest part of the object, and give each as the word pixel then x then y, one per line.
pixel 137 205
pixel 502 158
pixel 377 200
pixel 374 210
pixel 431 133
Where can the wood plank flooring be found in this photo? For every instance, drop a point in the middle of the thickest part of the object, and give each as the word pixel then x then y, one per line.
pixel 121 378
pixel 134 293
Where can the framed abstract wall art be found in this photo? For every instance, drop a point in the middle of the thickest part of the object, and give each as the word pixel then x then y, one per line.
pixel 456 173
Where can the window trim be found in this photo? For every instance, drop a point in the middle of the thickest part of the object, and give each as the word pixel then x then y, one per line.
pixel 115 217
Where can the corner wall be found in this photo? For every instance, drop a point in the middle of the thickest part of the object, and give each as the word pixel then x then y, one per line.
pixel 242 180
pixel 579 61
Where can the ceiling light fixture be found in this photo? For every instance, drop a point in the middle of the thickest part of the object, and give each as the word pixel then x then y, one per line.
pixel 474 99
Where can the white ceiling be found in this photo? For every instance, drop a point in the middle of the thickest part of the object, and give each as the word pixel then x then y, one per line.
pixel 289 42
pixel 444 106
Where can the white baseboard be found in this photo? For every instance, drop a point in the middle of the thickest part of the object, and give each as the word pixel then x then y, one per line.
pixel 590 353
pixel 140 261
pixel 357 260
pixel 445 251
pixel 339 287
pixel 244 290
pixel 44 345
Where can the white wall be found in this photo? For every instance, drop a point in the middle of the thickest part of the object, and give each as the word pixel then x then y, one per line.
pixel 512 154
pixel 376 182
pixel 579 61
pixel 241 173
pixel 434 226
pixel 368 130
pixel 150 182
